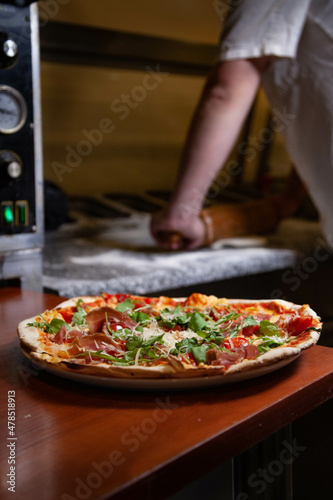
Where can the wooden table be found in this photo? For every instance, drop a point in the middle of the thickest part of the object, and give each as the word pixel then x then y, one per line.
pixel 75 441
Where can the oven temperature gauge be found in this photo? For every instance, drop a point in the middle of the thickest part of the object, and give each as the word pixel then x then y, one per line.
pixel 13 110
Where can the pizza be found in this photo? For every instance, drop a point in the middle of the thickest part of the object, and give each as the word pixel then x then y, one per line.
pixel 131 336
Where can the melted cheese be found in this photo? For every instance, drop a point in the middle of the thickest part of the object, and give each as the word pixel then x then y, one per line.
pixel 170 339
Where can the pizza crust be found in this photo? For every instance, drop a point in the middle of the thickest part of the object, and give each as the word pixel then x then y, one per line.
pixel 29 335
pixel 100 369
pixel 31 348
pixel 73 301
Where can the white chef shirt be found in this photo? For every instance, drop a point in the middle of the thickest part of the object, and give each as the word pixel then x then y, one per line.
pixel 299 84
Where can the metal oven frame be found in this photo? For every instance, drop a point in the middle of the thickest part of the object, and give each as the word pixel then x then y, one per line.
pixel 21 253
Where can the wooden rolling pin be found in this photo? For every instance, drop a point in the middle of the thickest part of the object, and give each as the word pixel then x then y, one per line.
pixel 174 239
pixel 253 217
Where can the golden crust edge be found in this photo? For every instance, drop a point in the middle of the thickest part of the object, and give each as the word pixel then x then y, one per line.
pixel 73 301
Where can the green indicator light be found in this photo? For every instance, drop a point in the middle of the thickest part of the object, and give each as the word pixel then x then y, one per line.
pixel 8 215
pixel 21 214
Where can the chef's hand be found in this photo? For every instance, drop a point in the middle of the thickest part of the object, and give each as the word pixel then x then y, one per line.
pixel 176 231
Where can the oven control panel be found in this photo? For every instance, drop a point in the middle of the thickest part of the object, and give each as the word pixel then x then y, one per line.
pixel 20 135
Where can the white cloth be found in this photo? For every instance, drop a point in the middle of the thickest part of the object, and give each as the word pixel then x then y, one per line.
pixel 299 85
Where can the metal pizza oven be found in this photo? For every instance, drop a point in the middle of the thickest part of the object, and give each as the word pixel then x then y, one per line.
pixel 21 211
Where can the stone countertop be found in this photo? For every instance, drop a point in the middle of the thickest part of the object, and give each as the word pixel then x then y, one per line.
pixel 120 256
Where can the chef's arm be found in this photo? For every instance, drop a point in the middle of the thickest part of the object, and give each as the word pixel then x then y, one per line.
pixel 224 105
pixel 253 217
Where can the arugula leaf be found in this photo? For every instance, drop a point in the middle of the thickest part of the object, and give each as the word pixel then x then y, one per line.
pixel 269 343
pixel 171 319
pixel 107 325
pixel 52 327
pixel 249 321
pixel 133 342
pixel 128 357
pixel 234 331
pixel 212 336
pixel 140 317
pixel 228 317
pixel 199 353
pixel 152 341
pixel 268 328
pixel 177 310
pixel 39 324
pixel 124 305
pixel 182 319
pixel 126 360
pixel 197 322
pixel 218 339
pixel 223 349
pixel 98 354
pixel 184 346
pixel 121 334
pixel 56 324
pixel 205 335
pixel 79 317
pixel 153 352
pixel 168 322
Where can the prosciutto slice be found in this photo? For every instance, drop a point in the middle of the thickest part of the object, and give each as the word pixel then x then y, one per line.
pixel 95 342
pixel 65 334
pixel 215 357
pixel 97 318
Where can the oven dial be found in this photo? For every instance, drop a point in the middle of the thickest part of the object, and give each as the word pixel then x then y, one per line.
pixel 8 51
pixel 10 167
pixel 13 110
pixel 10 48
pixel 14 169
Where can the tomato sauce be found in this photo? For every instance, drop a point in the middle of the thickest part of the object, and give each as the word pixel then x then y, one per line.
pixel 235 342
pixel 67 313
